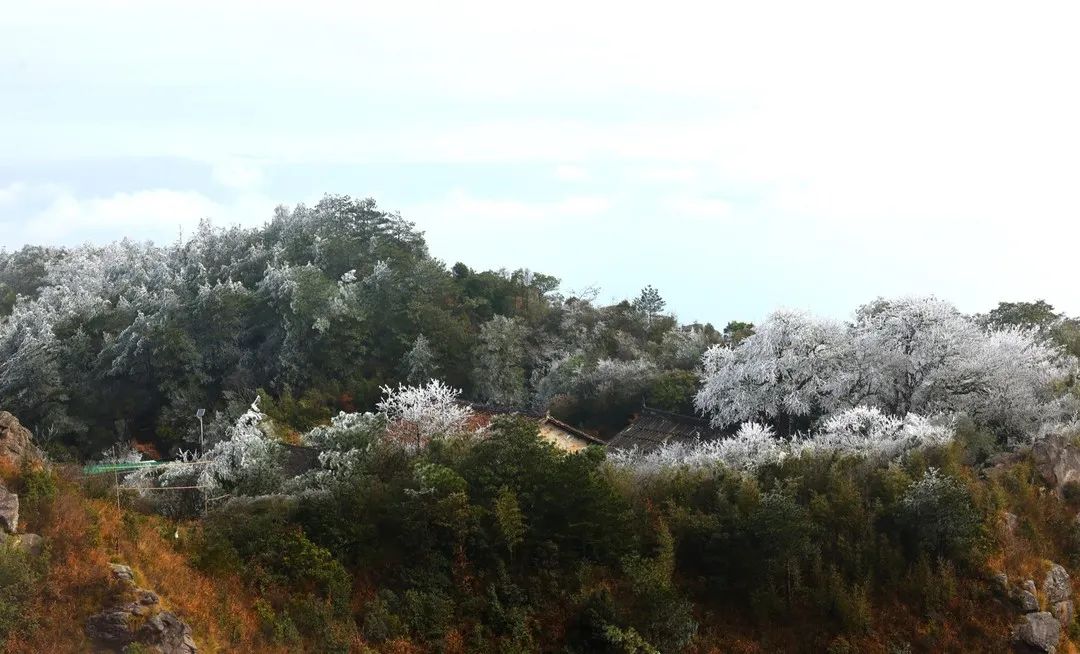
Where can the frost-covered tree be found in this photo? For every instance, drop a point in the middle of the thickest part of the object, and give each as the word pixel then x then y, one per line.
pixel 418 414
pixel 246 463
pixel 862 432
pixel 619 381
pixel 867 431
pixel 909 355
pixel 419 363
pixel 561 376
pixel 500 362
pixel 913 354
pixel 683 348
pixel 794 365
pixel 922 355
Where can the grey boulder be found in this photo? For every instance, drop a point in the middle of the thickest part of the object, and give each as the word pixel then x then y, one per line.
pixel 110 628
pixel 9 510
pixel 167 634
pixel 1028 602
pixel 1057 586
pixel 1039 632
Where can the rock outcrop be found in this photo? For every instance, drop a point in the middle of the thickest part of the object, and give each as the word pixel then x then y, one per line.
pixel 1028 602
pixel 134 615
pixel 1057 460
pixel 168 634
pixel 1038 632
pixel 1057 586
pixel 9 510
pixel 16 442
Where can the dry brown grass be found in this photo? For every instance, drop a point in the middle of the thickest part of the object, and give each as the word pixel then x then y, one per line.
pixel 85 534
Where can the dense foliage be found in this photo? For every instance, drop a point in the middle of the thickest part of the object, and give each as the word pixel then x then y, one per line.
pixel 907 355
pixel 848 508
pixel 320 308
pixel 492 540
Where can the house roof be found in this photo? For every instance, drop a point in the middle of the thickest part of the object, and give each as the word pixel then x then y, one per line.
pixel 654 427
pixel 542 418
pixel 573 431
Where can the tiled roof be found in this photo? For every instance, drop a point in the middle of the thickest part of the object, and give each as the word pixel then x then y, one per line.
pixel 573 431
pixel 493 410
pixel 654 427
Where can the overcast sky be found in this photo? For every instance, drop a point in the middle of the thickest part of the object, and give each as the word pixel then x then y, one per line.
pixel 738 156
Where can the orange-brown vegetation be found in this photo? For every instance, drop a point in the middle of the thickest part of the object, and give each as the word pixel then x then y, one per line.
pixel 86 533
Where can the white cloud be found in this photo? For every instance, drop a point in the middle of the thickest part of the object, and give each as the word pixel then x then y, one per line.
pixel 567 173
pixel 237 174
pixel 10 193
pixel 48 214
pixel 667 174
pixel 464 210
pixel 702 208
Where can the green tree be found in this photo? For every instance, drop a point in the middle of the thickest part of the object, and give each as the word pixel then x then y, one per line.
pixel 649 303
pixel 500 362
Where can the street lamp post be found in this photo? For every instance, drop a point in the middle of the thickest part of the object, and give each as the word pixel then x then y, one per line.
pixel 199 414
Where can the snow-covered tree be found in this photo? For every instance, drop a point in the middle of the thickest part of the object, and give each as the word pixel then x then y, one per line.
pixel 500 362
pixel 418 414
pixel 862 432
pixel 909 355
pixel 793 365
pixel 419 363
pixel 922 355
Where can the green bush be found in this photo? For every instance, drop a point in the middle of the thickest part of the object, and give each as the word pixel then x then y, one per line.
pixel 380 622
pixel 277 627
pixel 674 391
pixel 17 580
pixel 939 518
pixel 38 493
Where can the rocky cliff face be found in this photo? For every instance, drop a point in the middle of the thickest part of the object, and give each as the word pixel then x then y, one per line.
pixel 1057 459
pixel 16 442
pixel 132 620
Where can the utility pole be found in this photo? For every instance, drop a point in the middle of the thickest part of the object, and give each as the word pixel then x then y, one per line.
pixel 199 414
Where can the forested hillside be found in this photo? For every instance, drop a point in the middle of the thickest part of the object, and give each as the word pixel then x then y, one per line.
pixel 318 309
pixel 907 480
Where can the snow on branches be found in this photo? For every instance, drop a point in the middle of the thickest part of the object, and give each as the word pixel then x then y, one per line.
pixel 908 355
pixel 863 432
pixel 793 365
pixel 418 414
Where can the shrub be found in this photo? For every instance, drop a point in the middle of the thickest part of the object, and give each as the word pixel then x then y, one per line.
pixel 674 391
pixel 17 579
pixel 380 622
pixel 939 517
pixel 39 492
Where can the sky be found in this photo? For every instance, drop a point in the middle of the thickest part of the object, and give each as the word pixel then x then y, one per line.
pixel 738 156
